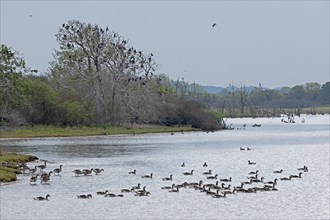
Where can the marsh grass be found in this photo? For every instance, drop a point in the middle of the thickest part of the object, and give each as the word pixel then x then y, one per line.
pixel 10 164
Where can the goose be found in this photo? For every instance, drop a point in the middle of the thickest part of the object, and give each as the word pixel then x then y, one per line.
pixel 241 148
pixel 132 172
pixel 102 193
pixel 213 193
pixel 248 148
pixel 254 172
pixel 225 187
pixel 98 171
pixel 219 196
pixel 208 172
pixel 147 176
pixel 57 171
pixel 286 178
pixel 270 186
pixel 296 176
pixel 33 179
pixel 126 190
pixel 247 182
pixel 278 171
pixel 142 190
pixel 214 186
pixel 136 187
pixel 205 164
pixel 226 180
pixel 167 178
pixel 88 172
pixel 33 170
pixel 40 198
pixel 89 196
pixel 303 168
pixel 183 165
pixel 110 195
pixel 120 195
pixel 45 175
pixel 212 177
pixel 43 166
pixel 261 180
pixel 78 172
pixel 142 194
pixel 251 190
pixel 45 179
pixel 169 187
pixel 272 182
pixel 188 173
pixel 251 163
pixel 196 184
pixel 174 190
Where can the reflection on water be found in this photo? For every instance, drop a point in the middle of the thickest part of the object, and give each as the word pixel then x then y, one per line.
pixel 274 146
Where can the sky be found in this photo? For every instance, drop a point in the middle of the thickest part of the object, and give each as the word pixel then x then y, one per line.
pixel 274 43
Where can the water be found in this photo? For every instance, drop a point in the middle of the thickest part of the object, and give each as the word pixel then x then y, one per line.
pixel 274 145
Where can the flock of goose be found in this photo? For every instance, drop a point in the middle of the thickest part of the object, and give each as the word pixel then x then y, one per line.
pixel 219 189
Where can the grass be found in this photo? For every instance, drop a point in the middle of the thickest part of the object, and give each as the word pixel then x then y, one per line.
pixel 10 165
pixel 54 131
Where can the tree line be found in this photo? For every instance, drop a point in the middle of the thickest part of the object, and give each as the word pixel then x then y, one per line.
pixel 96 78
pixel 258 101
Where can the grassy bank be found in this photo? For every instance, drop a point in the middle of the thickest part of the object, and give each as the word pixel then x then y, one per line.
pixel 54 131
pixel 10 164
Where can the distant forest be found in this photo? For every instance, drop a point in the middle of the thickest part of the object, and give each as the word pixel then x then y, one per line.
pixel 97 78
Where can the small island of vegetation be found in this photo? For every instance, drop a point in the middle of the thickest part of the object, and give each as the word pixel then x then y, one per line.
pixel 11 164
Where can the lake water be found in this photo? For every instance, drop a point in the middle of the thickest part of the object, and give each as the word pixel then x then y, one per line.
pixel 274 146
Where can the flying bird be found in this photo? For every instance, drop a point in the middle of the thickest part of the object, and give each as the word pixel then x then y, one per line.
pixel 214 24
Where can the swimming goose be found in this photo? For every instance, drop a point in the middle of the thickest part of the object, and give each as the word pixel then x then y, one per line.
pixel 78 172
pixel 89 196
pixel 303 168
pixel 205 164
pixel 45 179
pixel 146 193
pixel 110 195
pixel 126 190
pixel 225 187
pixel 168 178
pixel 254 172
pixel 226 180
pixel 251 163
pixel 212 177
pixel 188 173
pixel 132 172
pixel 142 190
pixel 286 178
pixel 183 165
pixel 33 170
pixel 168 187
pixel 272 182
pixel 214 186
pixel 247 182
pixel 174 190
pixel 40 198
pixel 278 171
pixel 241 148
pixel 147 176
pixel 208 172
pixel 261 180
pixel 213 193
pixel 136 187
pixel 219 196
pixel 88 172
pixel 98 171
pixel 270 186
pixel 102 193
pixel 248 148
pixel 296 176
pixel 45 175
pixel 57 171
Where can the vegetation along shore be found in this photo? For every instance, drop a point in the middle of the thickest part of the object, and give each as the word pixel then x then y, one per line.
pixel 11 164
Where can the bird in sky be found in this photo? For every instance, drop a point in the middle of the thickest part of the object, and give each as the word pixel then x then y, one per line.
pixel 214 24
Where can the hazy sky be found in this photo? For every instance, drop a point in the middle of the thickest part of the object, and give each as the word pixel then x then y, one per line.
pixel 275 43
